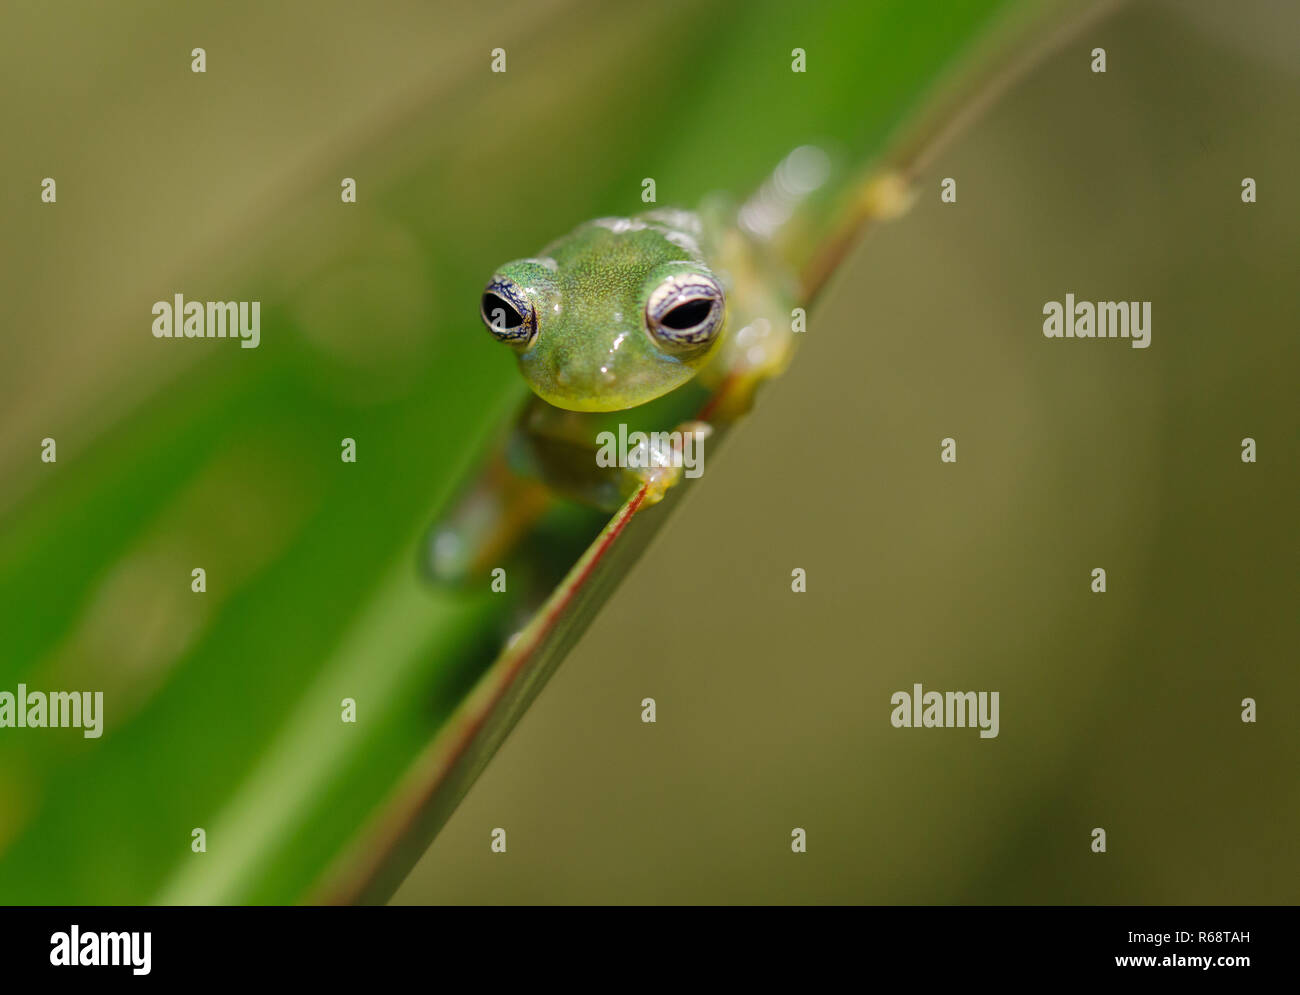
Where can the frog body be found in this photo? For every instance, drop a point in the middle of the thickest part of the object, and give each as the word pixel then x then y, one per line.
pixel 640 322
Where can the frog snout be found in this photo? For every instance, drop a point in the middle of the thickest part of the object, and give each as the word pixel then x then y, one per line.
pixel 592 367
pixel 596 373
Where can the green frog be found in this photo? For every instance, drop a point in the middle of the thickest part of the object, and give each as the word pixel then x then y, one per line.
pixel 655 328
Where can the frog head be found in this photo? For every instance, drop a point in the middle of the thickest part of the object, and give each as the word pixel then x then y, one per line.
pixel 614 314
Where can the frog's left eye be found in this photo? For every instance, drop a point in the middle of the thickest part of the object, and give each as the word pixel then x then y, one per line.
pixel 507 312
pixel 685 311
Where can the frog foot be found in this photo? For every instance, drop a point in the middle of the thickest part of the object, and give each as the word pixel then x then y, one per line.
pixel 664 458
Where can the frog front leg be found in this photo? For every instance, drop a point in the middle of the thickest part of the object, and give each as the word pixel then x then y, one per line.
pixel 552 453
pixel 601 461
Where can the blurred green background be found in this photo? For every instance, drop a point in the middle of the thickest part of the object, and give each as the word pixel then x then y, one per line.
pixel 1118 711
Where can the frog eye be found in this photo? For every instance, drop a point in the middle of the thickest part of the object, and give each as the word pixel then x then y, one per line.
pixel 506 311
pixel 685 311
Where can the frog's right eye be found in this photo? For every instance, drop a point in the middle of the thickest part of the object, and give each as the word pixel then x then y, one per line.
pixel 507 312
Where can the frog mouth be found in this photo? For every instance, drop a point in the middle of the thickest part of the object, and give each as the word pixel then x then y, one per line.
pixel 617 394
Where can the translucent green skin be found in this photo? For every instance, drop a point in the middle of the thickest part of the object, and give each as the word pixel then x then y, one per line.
pixel 592 350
